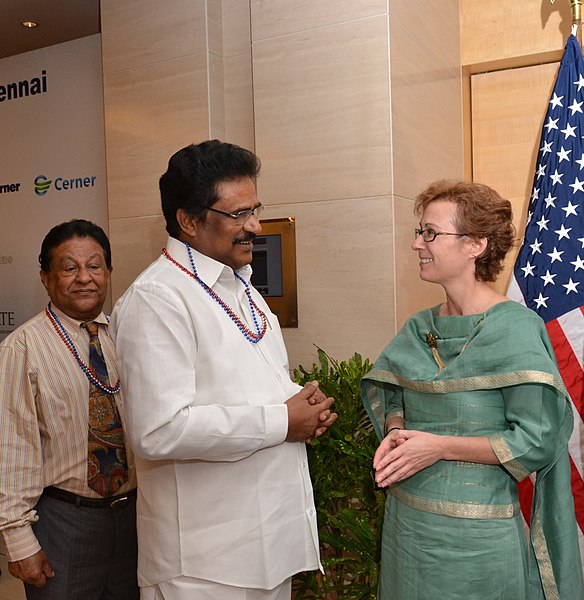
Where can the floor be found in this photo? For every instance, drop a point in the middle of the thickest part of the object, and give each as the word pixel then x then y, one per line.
pixel 10 588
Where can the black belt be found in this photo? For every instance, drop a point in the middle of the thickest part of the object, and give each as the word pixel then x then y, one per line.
pixel 114 502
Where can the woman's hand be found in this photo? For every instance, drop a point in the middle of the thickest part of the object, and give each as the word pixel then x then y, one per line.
pixel 404 453
pixel 389 442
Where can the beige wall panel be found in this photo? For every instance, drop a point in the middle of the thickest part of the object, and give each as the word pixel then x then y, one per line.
pixel 236 27
pixel 136 242
pixel 271 18
pixel 237 74
pixel 214 18
pixel 150 113
pixel 322 113
pixel 503 29
pixel 134 34
pixel 508 109
pixel 345 274
pixel 426 116
pixel 216 97
pixel 438 30
pixel 412 294
pixel 239 125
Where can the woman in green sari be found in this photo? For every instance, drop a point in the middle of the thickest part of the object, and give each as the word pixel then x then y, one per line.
pixel 467 401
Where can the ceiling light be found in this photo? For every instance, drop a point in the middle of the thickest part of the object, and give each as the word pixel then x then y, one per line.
pixel 29 24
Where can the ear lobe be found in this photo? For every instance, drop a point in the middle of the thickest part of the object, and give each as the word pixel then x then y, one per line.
pixel 44 279
pixel 186 222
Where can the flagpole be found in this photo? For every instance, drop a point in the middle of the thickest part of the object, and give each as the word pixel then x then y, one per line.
pixel 577 19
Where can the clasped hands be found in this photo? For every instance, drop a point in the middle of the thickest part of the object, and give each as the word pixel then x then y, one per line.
pixel 309 413
pixel 403 453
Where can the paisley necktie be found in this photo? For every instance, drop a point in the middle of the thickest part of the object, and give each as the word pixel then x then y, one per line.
pixel 107 468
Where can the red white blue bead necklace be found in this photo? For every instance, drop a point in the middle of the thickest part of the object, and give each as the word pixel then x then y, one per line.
pixel 89 372
pixel 255 310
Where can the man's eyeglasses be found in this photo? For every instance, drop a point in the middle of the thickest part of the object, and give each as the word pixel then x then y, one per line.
pixel 241 216
pixel 429 235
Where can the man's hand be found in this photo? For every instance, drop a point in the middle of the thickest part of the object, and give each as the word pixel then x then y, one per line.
pixel 33 570
pixel 309 413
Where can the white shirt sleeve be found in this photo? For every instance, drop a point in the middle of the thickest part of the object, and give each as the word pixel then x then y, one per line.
pixel 157 352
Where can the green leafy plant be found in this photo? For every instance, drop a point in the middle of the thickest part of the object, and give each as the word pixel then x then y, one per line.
pixel 349 506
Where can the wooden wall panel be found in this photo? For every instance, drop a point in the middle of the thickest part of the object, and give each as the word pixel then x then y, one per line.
pixel 508 109
pixel 510 30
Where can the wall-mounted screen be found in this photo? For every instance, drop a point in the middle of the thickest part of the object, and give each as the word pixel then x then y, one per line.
pixel 274 268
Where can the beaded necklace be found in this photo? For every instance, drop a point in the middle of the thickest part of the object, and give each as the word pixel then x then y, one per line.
pixel 87 370
pixel 249 335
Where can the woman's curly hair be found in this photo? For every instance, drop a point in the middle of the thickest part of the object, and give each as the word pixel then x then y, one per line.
pixel 480 213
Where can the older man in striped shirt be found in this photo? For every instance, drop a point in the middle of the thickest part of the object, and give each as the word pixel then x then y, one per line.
pixel 67 486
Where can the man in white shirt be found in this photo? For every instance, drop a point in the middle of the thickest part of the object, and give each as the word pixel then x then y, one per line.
pixel 225 505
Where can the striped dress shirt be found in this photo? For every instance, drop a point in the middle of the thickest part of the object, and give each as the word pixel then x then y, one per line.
pixel 44 422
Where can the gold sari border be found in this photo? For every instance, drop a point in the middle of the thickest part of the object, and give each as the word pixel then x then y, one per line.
pixel 479 382
pixel 376 408
pixel 506 458
pixel 461 510
pixel 546 573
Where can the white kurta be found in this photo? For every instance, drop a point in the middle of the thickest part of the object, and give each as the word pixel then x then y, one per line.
pixel 222 496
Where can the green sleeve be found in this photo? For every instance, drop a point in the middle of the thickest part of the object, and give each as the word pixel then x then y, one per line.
pixel 382 401
pixel 534 413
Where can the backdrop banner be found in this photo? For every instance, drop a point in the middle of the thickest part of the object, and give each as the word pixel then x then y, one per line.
pixel 52 161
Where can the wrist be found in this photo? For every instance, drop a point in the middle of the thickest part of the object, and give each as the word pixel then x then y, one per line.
pixel 443 447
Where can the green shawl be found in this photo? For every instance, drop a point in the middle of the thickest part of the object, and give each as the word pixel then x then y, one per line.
pixel 508 346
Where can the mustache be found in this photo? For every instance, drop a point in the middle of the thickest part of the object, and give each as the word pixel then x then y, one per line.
pixel 248 236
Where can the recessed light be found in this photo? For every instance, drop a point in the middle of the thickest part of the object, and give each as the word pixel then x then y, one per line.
pixel 29 24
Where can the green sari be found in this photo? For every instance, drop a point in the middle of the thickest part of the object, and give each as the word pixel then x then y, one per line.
pixel 454 530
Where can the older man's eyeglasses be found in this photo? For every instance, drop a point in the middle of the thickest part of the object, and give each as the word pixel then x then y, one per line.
pixel 241 216
pixel 429 235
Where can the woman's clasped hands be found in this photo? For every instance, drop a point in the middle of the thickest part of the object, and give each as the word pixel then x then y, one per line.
pixel 403 453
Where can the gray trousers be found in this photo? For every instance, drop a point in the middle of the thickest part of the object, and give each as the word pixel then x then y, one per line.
pixel 93 551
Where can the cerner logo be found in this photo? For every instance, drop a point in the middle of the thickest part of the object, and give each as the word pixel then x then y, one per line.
pixel 42 184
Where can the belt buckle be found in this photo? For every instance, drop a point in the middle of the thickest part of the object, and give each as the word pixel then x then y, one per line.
pixel 119 502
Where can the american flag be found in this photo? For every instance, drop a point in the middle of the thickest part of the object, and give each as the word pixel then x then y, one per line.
pixel 549 272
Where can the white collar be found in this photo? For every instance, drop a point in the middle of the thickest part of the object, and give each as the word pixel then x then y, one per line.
pixel 209 269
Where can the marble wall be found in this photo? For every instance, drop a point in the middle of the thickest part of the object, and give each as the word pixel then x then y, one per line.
pixel 352 107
